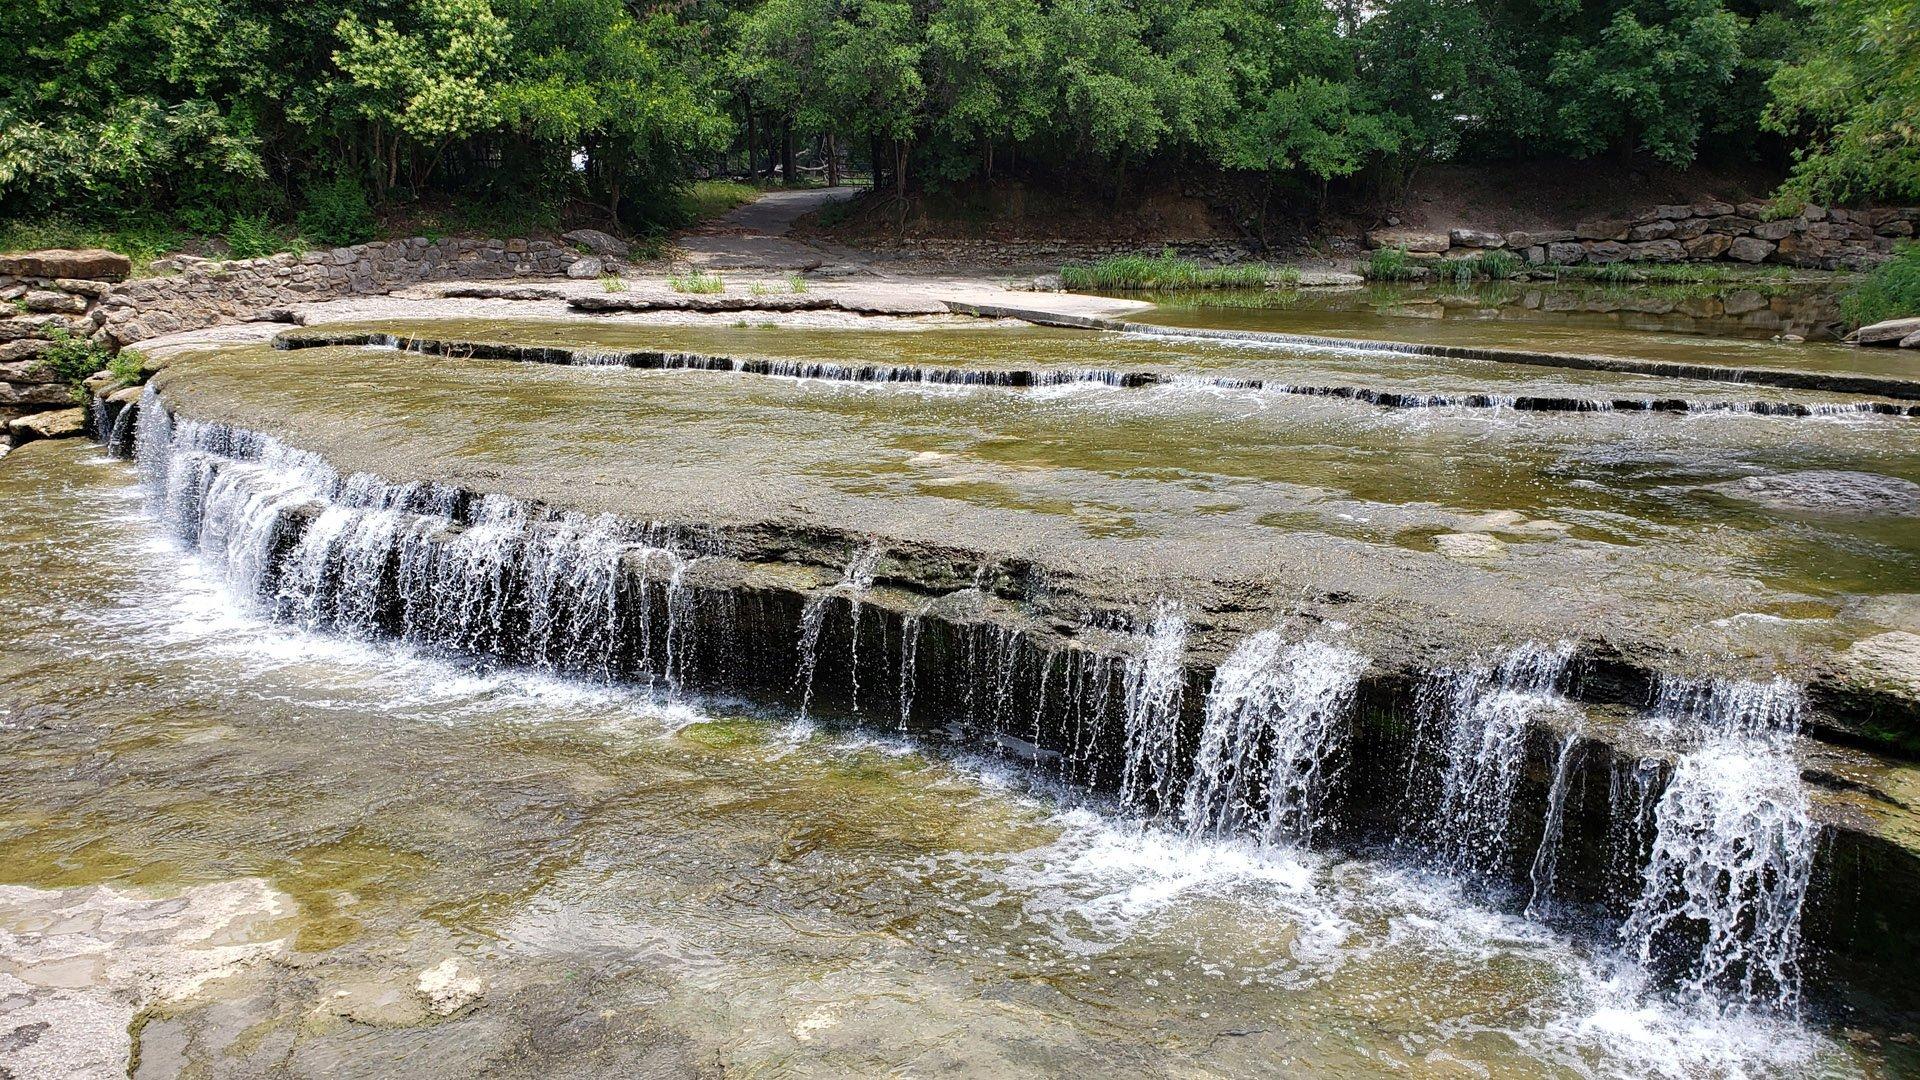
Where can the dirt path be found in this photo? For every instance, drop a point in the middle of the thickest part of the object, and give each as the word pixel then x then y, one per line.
pixel 754 236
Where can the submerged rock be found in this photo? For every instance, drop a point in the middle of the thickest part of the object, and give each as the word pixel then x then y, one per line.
pixel 1469 546
pixel 1827 491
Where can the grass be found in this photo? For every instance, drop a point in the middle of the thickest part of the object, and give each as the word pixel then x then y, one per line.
pixel 142 238
pixel 1891 291
pixel 696 281
pixel 1390 264
pixel 1245 299
pixel 1489 265
pixel 1167 271
pixel 796 284
pixel 705 200
pixel 612 283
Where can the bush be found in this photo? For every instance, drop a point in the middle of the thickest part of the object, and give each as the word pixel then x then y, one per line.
pixel 336 214
pixel 72 359
pixel 1892 291
pixel 251 237
pixel 125 367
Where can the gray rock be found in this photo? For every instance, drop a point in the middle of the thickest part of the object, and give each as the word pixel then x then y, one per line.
pixel 1657 251
pixel 1911 341
pixel 1711 208
pixel 1602 229
pixel 1566 253
pixel 1538 239
pixel 1476 238
pixel 602 244
pixel 1655 230
pixel 1773 230
pixel 1749 249
pixel 586 269
pixel 1607 251
pixel 1891 332
pixel 1672 213
pixel 94 264
pixel 46 300
pixel 1827 491
pixel 55 424
pixel 1413 240
pixel 1708 246
pixel 1329 279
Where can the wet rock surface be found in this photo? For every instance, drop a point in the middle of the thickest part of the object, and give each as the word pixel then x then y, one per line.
pixel 1827 491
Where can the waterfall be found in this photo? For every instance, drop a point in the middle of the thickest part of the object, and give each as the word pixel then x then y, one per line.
pixel 1277 717
pixel 1477 720
pixel 1733 848
pixel 854 582
pixel 909 661
pixel 1154 680
pixel 1546 857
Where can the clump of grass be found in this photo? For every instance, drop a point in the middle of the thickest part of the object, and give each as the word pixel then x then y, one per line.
pixel 1390 264
pixel 612 283
pixel 796 284
pixel 705 200
pixel 1246 299
pixel 1168 271
pixel 696 281
pixel 758 288
pixel 1633 273
pixel 1493 264
pixel 1891 291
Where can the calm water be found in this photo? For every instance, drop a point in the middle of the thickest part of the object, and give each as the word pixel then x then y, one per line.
pixel 672 887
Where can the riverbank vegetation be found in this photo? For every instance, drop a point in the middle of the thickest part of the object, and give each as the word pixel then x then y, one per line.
pixel 1891 291
pixel 1168 271
pixel 142 123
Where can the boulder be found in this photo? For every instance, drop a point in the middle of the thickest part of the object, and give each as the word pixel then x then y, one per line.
pixel 1890 332
pixel 605 245
pixel 1708 246
pixel 1328 279
pixel 1602 229
pixel 93 264
pixel 1476 238
pixel 1539 239
pixel 1607 251
pixel 586 269
pixel 1773 230
pixel 57 424
pixel 1566 253
pixel 1827 491
pixel 1750 249
pixel 1911 341
pixel 1413 240
pixel 1711 208
pixel 1690 228
pixel 1657 251
pixel 1672 213
pixel 12 352
pixel 95 289
pixel 1653 230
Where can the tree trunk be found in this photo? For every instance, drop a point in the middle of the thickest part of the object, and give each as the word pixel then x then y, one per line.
pixel 900 167
pixel 750 142
pixel 786 152
pixel 873 154
pixel 833 162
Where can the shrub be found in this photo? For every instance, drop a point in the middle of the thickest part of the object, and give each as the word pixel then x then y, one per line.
pixel 72 359
pixel 696 281
pixel 612 283
pixel 336 214
pixel 125 367
pixel 251 237
pixel 1892 291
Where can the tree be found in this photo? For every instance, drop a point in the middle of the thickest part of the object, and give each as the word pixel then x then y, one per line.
pixel 1856 99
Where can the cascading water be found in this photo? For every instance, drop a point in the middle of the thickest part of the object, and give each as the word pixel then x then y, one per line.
pixel 1733 849
pixel 1155 678
pixel 1277 718
pixel 1546 857
pixel 1477 721
pixel 854 581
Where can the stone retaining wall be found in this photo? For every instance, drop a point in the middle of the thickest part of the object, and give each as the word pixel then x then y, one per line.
pixel 210 293
pixel 1818 237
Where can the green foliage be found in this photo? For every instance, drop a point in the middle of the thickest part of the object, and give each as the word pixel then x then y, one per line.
pixel 1166 271
pixel 612 283
pixel 704 200
pixel 1489 265
pixel 72 359
pixel 1633 273
pixel 250 237
pixel 1855 97
pixel 696 281
pixel 796 284
pixel 126 367
pixel 336 213
pixel 1390 264
pixel 1891 291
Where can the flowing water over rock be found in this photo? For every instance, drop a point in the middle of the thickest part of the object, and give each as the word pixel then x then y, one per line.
pixel 1215 791
pixel 712 891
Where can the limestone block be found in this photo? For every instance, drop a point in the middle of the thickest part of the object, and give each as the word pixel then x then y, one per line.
pixel 1750 249
pixel 94 264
